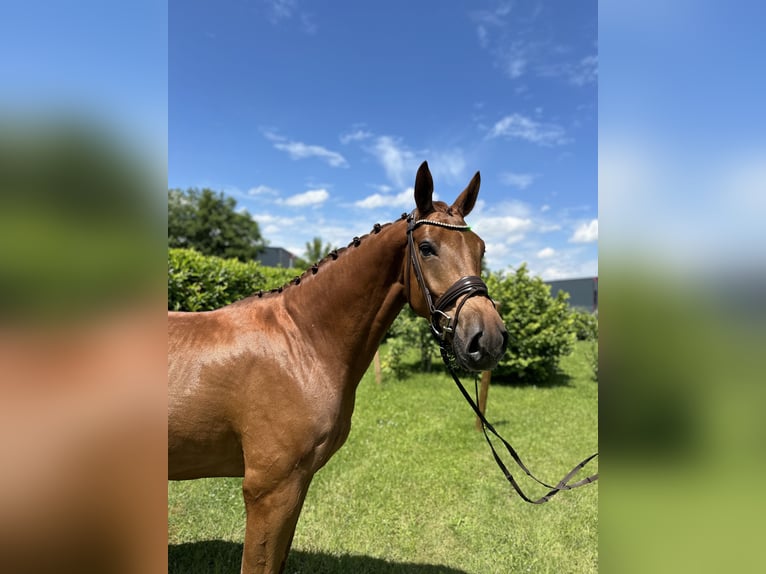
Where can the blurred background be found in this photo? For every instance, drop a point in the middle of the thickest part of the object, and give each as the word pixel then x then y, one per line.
pixel 83 132
pixel 682 201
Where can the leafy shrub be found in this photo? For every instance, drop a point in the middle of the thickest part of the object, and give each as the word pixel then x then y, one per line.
pixel 586 329
pixel 540 327
pixel 409 333
pixel 393 360
pixel 198 282
pixel 593 358
pixel 585 325
pixel 274 277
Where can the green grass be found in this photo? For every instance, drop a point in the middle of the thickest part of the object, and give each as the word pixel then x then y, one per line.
pixel 415 488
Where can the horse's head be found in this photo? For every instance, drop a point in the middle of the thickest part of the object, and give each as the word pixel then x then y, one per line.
pixel 441 271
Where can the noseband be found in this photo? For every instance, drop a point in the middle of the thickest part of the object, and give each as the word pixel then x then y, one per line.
pixel 468 286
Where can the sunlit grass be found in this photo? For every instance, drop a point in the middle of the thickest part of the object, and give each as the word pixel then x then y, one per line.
pixel 416 485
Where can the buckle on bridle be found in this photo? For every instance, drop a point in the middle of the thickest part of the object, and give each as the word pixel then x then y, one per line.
pixel 448 329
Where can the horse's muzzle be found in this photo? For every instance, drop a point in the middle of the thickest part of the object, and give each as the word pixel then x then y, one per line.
pixel 480 339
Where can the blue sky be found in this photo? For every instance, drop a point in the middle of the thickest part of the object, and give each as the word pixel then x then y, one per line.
pixel 90 62
pixel 315 115
pixel 682 136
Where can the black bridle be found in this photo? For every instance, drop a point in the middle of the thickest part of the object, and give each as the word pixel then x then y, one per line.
pixel 467 287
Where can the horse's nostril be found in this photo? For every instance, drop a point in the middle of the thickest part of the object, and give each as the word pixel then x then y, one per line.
pixel 505 340
pixel 473 346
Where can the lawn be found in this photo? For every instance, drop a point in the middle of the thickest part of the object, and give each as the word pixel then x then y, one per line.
pixel 415 489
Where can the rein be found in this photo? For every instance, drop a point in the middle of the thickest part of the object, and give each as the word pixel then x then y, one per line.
pixel 471 286
pixel 563 484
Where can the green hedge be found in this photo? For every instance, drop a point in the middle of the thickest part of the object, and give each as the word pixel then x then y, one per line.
pixel 198 282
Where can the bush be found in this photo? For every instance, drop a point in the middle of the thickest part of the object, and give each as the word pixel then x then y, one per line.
pixel 409 333
pixel 586 329
pixel 198 282
pixel 593 358
pixel 274 277
pixel 585 325
pixel 540 327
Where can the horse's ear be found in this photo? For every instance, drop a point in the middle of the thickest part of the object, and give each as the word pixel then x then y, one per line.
pixel 466 200
pixel 424 190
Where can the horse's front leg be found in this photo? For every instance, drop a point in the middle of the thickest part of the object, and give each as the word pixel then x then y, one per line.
pixel 272 514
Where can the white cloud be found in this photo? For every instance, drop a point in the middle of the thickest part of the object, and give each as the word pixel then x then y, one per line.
pixel 514 208
pixel 585 72
pixel 272 225
pixel 546 253
pixel 398 162
pixel 515 67
pixel 311 197
pixel 519 41
pixel 586 232
pixel 545 208
pixel 284 10
pixel 501 229
pixel 300 150
pixel 570 268
pixel 522 127
pixel 382 188
pixel 496 253
pixel 280 9
pixel 447 166
pixel 517 180
pixel 262 190
pixel 578 73
pixel 376 200
pixel 514 60
pixel 355 136
pixel 553 272
pixel 487 20
pixel 482 35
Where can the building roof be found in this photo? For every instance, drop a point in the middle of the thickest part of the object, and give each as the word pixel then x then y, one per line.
pixel 276 257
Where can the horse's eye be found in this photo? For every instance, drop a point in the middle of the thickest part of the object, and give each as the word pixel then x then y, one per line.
pixel 426 249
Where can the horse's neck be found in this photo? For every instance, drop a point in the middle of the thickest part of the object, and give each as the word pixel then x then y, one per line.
pixel 347 306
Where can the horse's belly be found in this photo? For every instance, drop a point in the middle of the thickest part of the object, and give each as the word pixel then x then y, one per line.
pixel 202 441
pixel 182 467
pixel 203 456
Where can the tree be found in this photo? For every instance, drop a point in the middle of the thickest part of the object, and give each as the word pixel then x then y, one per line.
pixel 315 251
pixel 210 223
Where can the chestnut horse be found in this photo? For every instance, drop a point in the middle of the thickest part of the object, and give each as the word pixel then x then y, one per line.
pixel 264 388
